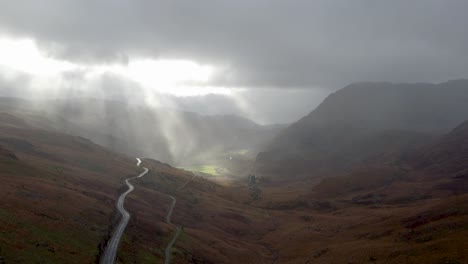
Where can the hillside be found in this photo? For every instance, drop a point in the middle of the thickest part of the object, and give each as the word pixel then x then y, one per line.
pixel 448 155
pixel 436 170
pixel 333 135
pixel 57 194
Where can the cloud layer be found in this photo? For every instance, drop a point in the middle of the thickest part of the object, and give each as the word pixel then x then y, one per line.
pixel 310 46
pixel 259 43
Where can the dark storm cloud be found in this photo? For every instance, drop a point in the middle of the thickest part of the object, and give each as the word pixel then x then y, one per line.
pixel 261 43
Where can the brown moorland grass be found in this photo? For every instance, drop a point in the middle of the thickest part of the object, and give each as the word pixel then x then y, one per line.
pixel 57 196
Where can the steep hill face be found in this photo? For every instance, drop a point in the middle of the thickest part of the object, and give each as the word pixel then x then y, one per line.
pixel 333 135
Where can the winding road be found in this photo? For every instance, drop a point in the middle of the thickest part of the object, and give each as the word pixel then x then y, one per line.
pixel 167 252
pixel 111 250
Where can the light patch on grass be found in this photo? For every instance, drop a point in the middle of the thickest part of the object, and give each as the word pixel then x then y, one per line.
pixel 207 169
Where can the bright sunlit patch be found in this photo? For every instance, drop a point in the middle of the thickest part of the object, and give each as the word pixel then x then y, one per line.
pixel 177 77
pixel 24 56
pixel 168 72
pixel 186 91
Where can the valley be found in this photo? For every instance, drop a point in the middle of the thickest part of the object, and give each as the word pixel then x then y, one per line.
pixel 380 194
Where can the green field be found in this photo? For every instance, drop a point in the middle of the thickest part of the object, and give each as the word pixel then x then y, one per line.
pixel 208 169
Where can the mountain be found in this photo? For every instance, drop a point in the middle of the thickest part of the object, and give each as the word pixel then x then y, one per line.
pixel 374 117
pixel 166 134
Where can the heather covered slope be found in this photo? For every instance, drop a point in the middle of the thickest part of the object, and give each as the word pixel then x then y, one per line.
pixel 399 117
pixel 57 194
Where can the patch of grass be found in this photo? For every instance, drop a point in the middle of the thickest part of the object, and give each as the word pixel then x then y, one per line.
pixel 207 169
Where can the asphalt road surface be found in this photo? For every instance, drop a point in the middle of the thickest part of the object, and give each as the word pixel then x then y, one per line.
pixel 111 250
pixel 167 252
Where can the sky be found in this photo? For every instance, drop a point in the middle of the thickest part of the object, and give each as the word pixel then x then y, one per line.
pixel 270 60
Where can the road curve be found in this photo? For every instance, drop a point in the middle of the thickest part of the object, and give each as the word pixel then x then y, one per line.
pixel 111 250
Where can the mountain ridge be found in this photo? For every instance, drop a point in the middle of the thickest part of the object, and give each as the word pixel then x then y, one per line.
pixel 359 111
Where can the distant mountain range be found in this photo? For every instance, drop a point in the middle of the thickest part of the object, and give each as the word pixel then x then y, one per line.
pixel 363 122
pixel 165 134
